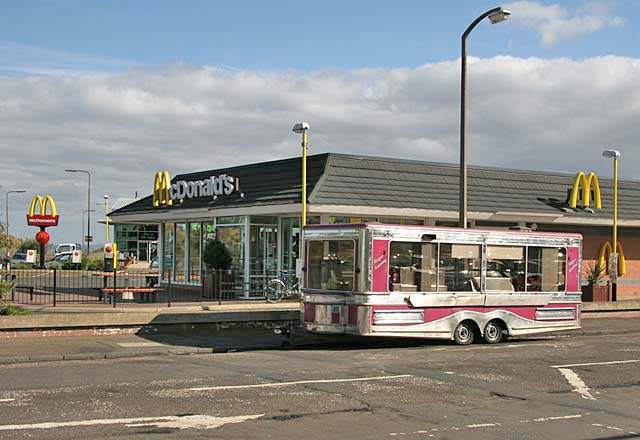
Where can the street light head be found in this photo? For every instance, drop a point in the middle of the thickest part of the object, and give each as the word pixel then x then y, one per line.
pixel 106 196
pixel 301 127
pixel 499 16
pixel 71 171
pixel 611 154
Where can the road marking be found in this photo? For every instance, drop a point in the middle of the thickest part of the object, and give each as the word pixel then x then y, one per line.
pixel 7 400
pixel 483 425
pixel 178 422
pixel 578 384
pixel 299 382
pixel 547 419
pixel 589 364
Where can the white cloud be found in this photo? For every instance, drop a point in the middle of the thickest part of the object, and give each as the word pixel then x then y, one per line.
pixel 553 115
pixel 555 23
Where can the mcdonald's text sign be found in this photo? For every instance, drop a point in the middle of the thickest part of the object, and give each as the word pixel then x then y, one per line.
pixel 165 192
pixel 40 217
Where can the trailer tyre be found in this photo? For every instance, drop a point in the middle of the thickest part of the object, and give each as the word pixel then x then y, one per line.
pixel 464 333
pixel 493 332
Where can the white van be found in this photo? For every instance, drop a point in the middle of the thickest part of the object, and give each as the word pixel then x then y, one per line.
pixel 67 248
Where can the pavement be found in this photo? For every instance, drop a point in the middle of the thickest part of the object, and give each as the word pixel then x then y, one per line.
pixel 202 339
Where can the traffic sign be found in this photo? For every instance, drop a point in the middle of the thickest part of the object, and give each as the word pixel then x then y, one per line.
pixel 31 256
pixel 76 257
pixel 88 238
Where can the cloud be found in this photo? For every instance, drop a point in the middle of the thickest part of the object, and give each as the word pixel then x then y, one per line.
pixel 554 23
pixel 526 113
pixel 27 60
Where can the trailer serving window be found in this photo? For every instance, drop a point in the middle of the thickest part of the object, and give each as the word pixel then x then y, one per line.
pixel 330 265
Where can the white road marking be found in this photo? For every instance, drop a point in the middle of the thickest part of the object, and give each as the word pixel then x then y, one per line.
pixel 299 382
pixel 179 422
pixel 578 384
pixel 140 344
pixel 547 419
pixel 589 364
pixel 7 400
pixel 483 425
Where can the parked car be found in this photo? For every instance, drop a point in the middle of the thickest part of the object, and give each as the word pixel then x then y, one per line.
pixel 19 258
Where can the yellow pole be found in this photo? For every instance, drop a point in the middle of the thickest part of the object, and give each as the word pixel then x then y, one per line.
pixel 304 178
pixel 615 205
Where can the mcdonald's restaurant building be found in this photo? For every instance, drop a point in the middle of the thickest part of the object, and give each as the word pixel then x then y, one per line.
pixel 255 210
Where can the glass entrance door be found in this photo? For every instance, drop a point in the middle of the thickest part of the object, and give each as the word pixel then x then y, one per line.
pixel 263 262
pixel 147 250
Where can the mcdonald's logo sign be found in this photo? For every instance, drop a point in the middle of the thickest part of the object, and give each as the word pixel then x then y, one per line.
pixel 585 181
pixel 165 192
pixel 161 188
pixel 603 257
pixel 40 217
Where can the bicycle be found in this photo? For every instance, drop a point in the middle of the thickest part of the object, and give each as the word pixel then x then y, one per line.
pixel 279 288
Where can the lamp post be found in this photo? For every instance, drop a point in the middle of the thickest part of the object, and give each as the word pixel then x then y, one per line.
pixel 88 206
pixel 7 217
pixel 85 211
pixel 495 15
pixel 106 217
pixel 615 155
pixel 302 128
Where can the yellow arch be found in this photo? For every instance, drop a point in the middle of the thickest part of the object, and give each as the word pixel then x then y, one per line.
pixel 32 209
pixel 586 190
pixel 606 250
pixel 161 185
pixel 43 206
pixel 52 204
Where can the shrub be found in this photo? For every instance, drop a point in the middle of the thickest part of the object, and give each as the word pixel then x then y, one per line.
pixel 6 309
pixel 216 255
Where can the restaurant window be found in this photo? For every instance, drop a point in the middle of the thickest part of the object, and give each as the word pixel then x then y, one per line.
pixel 180 245
pixel 546 269
pixel 505 269
pixel 167 251
pixel 230 220
pixel 195 251
pixel 233 238
pixel 413 267
pixel 401 221
pixel 459 267
pixel 331 265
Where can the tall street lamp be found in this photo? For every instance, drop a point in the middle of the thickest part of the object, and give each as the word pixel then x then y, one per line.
pixel 302 128
pixel 6 205
pixel 495 15
pixel 615 155
pixel 88 206
pixel 106 217
pixel 87 211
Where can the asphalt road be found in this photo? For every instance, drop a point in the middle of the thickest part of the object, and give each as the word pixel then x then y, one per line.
pixel 549 388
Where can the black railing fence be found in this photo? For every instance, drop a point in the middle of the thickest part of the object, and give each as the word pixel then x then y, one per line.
pixel 58 287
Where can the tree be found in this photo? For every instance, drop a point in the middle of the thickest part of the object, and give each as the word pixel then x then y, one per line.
pixel 28 243
pixel 216 255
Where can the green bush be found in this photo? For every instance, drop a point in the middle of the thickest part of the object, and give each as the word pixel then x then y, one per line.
pixel 216 255
pixel 6 309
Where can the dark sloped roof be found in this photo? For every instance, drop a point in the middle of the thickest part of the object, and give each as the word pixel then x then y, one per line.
pixel 384 182
pixel 341 179
pixel 266 183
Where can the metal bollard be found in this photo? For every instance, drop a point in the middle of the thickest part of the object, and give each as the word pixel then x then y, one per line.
pixel 114 288
pixel 55 282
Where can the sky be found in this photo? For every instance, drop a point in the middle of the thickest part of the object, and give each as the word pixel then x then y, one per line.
pixel 124 89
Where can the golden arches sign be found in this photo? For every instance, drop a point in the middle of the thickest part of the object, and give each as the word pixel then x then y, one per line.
pixel 586 181
pixel 41 218
pixel 606 250
pixel 161 186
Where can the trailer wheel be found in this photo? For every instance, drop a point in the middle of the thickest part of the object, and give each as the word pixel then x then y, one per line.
pixel 493 332
pixel 464 333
